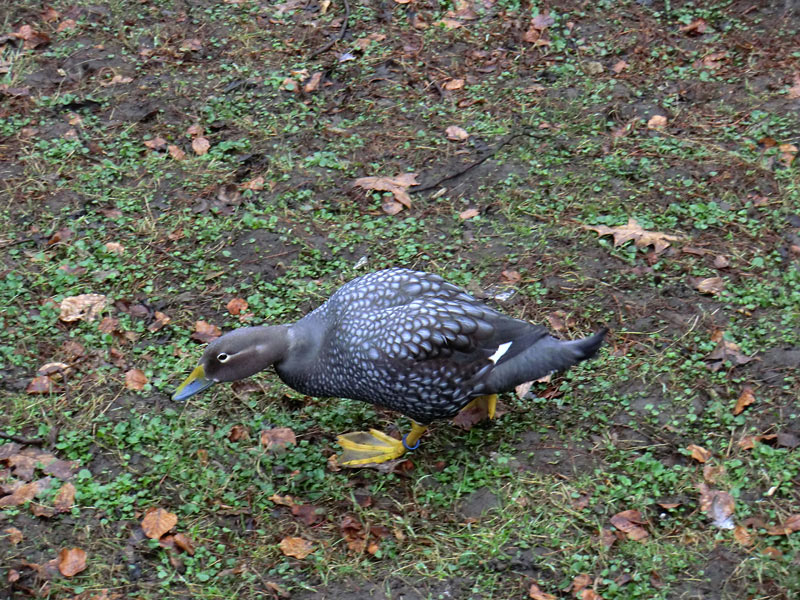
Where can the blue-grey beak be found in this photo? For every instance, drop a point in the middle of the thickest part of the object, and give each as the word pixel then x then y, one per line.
pixel 195 383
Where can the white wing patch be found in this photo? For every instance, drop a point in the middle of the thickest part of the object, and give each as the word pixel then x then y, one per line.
pixel 500 352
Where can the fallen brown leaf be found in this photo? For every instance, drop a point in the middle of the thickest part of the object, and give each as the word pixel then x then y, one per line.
pixel 398 186
pixel 579 583
pixel 256 184
pixel 135 379
pixel 699 453
pixel 630 522
pixel 657 122
pixel 278 438
pixel 183 542
pixel 25 492
pixel 794 91
pixel 176 152
pixel 14 535
pixel 194 130
pixel 619 66
pixel 156 143
pixel 205 332
pixel 296 547
pixel 157 522
pixel 711 285
pixel 313 82
pixel 743 536
pixel 470 213
pixel 746 398
pixel 721 262
pixel 712 472
pixel 788 152
pixel 71 561
pixel 456 134
pixel 726 351
pixel 790 525
pixel 633 231
pixel 748 442
pixel 454 84
pixel 200 145
pixel 537 594
pixel 41 384
pixel 236 306
pixel 696 27
pixel 65 498
pixel 718 505
pixel 159 321
pixel 84 307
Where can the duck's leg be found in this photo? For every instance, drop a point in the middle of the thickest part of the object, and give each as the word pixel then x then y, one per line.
pixel 362 447
pixel 487 404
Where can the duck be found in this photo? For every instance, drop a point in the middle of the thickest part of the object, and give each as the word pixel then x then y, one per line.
pixel 401 339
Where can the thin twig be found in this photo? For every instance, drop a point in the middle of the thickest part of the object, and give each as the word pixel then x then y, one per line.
pixel 339 37
pixel 22 440
pixel 469 167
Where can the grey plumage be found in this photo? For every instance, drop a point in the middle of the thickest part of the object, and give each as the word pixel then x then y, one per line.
pixel 411 342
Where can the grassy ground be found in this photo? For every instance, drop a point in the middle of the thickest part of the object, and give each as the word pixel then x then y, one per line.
pixel 108 188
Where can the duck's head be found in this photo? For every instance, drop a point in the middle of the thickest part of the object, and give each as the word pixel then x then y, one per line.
pixel 241 353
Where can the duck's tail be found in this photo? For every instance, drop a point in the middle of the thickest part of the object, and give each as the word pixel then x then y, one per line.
pixel 546 355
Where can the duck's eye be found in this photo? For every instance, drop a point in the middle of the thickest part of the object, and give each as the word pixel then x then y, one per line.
pixel 222 357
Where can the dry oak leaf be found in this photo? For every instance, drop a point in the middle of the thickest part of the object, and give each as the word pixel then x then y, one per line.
pixel 580 582
pixel 788 154
pixel 14 535
pixel 157 522
pixel 456 133
pixel 236 306
pixel 205 332
pixel 699 453
pixel 794 91
pixel 711 285
pixel 396 185
pixel 184 542
pixel 630 522
pixel 696 27
pixel 156 143
pixel 65 498
pixel 537 594
pixel 746 398
pixel 41 384
pixel 176 152
pixel 454 84
pixel 741 535
pixel 313 83
pixel 296 547
pixel 135 379
pixel 619 66
pixel 25 492
pixel 200 145
pixel 278 438
pixel 657 122
pixel 256 184
pixel 470 213
pixel 160 320
pixel 790 525
pixel 726 351
pixel 194 130
pixel 71 561
pixel 718 505
pixel 84 307
pixel 633 231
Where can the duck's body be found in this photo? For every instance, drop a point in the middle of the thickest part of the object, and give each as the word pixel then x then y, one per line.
pixel 401 339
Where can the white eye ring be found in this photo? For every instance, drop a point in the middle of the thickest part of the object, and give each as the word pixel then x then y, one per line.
pixel 222 357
